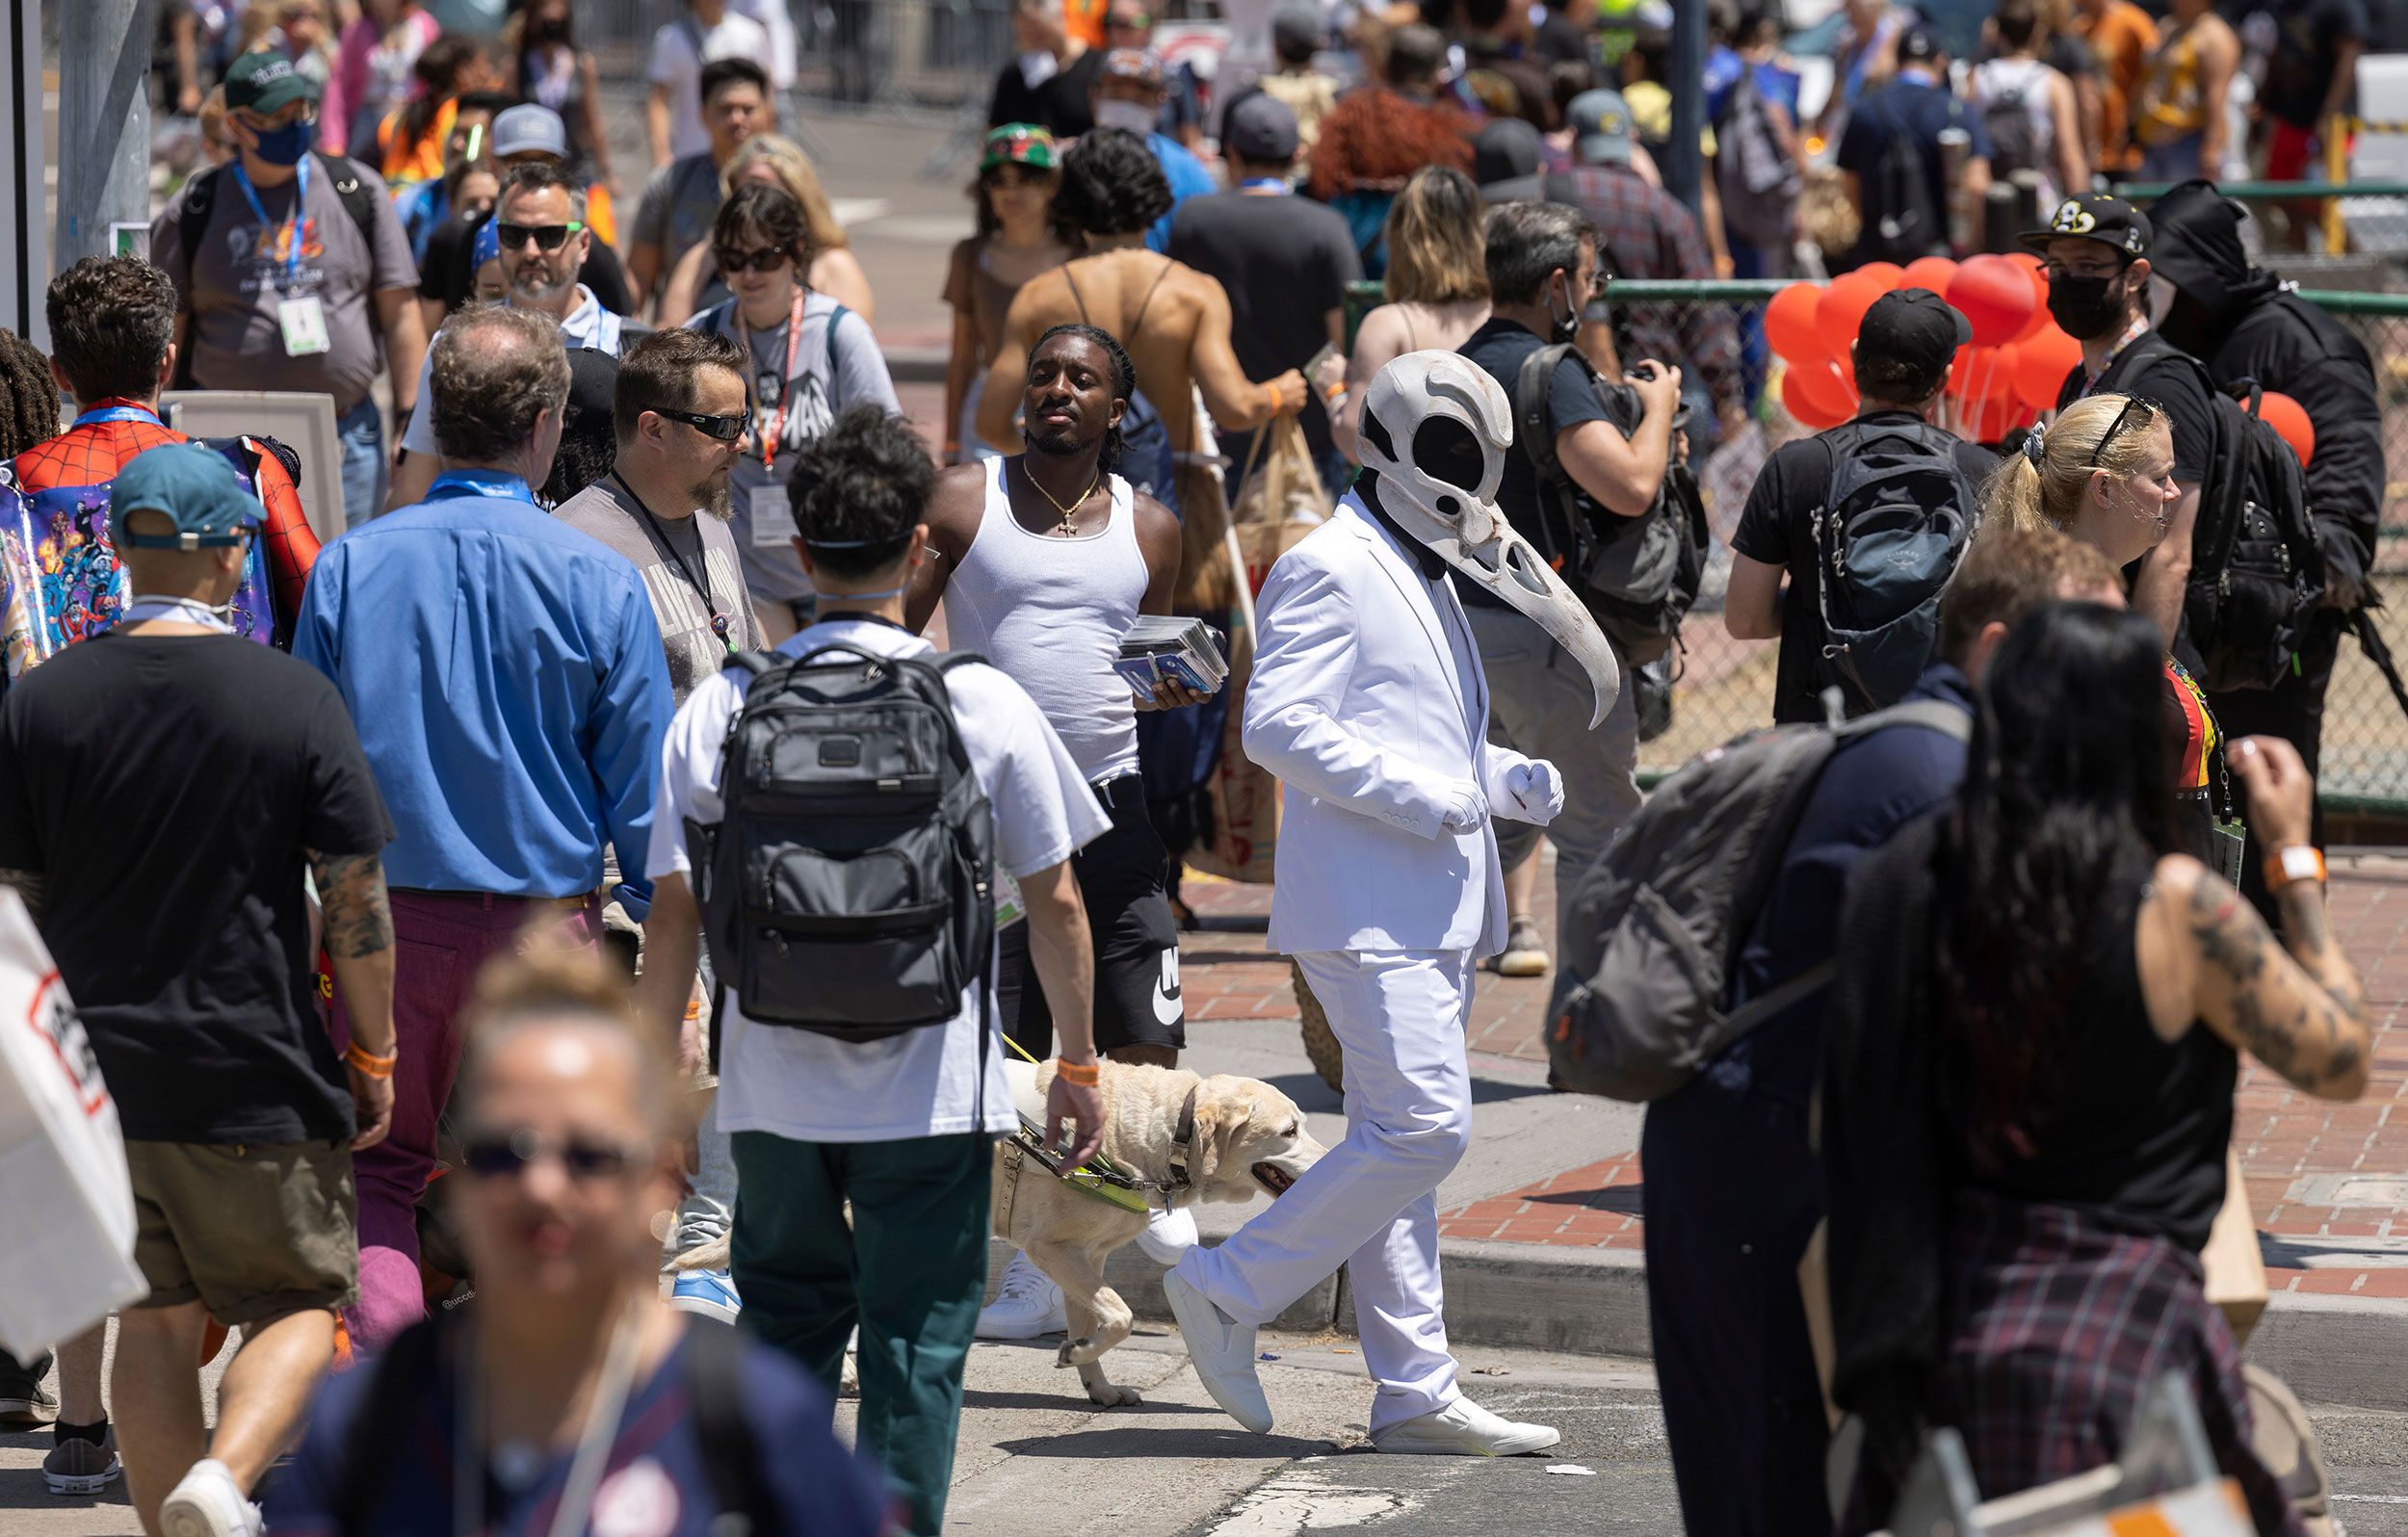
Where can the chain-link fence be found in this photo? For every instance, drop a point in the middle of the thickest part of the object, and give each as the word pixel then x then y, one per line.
pixel 904 57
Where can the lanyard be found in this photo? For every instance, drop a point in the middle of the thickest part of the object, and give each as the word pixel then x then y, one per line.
pixel 697 581
pixel 184 610
pixel 2139 328
pixel 785 395
pixel 301 201
pixel 117 413
pixel 500 484
pixel 604 1413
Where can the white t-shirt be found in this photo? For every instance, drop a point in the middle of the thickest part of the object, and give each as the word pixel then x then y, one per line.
pixel 677 64
pixel 923 1082
pixel 776 19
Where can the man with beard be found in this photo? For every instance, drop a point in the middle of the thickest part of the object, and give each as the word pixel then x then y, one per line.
pixel 541 222
pixel 1043 560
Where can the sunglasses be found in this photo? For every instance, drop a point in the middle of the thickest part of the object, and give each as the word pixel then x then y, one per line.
pixel 2149 409
pixel 504 1154
pixel 1013 174
pixel 548 237
pixel 767 259
pixel 725 428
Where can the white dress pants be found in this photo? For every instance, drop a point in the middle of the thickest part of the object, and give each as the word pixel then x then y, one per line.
pixel 1371 1204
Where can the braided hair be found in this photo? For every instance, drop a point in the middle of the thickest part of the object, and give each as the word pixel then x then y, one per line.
pixel 1124 381
pixel 29 398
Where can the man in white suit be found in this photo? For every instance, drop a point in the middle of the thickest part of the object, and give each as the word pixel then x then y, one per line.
pixel 1367 700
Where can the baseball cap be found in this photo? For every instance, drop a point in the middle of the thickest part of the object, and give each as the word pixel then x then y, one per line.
pixel 1260 129
pixel 1133 63
pixel 194 487
pixel 266 82
pixel 1917 327
pixel 2095 216
pixel 1020 144
pixel 593 383
pixel 1297 27
pixel 530 128
pixel 1505 159
pixel 1920 44
pixel 1601 127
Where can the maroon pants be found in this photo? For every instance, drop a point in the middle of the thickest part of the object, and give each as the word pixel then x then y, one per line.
pixel 442 941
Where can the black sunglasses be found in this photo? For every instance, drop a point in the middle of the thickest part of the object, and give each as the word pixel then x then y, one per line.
pixel 767 259
pixel 507 1153
pixel 725 428
pixel 549 237
pixel 2148 406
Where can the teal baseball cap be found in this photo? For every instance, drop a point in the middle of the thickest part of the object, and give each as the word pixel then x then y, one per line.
pixel 197 491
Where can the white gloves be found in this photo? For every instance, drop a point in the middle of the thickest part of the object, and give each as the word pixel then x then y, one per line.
pixel 1536 789
pixel 1465 808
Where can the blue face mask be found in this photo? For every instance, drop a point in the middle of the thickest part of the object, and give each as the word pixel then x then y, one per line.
pixel 285 146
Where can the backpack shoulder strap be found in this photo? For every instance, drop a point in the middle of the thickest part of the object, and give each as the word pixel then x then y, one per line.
pixel 834 320
pixel 1936 715
pixel 730 1457
pixel 358 201
pixel 200 200
pixel 958 659
pixel 368 1442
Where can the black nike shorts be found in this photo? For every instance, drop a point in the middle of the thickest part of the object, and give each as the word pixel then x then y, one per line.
pixel 1124 879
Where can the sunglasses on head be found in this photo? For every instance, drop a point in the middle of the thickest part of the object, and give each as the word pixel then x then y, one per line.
pixel 2149 408
pixel 503 1155
pixel 548 237
pixel 725 428
pixel 767 259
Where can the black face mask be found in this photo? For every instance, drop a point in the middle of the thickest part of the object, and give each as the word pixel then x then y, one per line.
pixel 1562 329
pixel 2087 307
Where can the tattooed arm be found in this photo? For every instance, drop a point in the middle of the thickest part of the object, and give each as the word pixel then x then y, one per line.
pixel 28 884
pixel 2302 1013
pixel 359 942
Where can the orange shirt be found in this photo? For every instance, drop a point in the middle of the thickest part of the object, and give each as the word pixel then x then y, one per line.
pixel 2120 42
pixel 1084 19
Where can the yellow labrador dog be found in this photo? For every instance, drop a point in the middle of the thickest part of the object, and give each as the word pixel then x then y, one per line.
pixel 1191 1138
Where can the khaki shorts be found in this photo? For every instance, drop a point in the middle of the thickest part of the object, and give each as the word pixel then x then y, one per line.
pixel 252 1231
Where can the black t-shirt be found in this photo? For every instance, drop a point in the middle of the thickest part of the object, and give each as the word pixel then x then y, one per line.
pixel 446 273
pixel 2308 34
pixel 1059 104
pixel 1778 527
pixel 2172 384
pixel 1286 263
pixel 166 789
pixel 1572 400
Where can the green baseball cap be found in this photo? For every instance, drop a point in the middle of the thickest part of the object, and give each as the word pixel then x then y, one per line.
pixel 197 491
pixel 265 82
pixel 1022 143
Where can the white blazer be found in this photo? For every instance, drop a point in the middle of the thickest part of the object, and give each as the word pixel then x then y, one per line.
pixel 1368 702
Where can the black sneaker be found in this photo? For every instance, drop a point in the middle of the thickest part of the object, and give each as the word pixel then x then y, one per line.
pixel 25 1404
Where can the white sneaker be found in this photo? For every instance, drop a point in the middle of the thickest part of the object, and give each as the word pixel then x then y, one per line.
pixel 1463 1428
pixel 1222 1351
pixel 1029 1304
pixel 1167 1235
pixel 209 1503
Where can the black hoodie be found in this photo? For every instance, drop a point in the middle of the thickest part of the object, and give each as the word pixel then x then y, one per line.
pixel 2245 323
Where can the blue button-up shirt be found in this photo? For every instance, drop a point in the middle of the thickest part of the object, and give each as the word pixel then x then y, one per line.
pixel 508 684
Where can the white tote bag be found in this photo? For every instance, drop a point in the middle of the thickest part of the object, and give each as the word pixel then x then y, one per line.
pixel 70 1259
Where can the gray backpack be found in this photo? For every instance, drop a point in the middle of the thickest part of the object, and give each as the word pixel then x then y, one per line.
pixel 848 887
pixel 1655 926
pixel 1893 525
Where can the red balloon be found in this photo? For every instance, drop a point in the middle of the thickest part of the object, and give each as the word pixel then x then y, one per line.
pixel 1817 398
pixel 1842 310
pixel 1994 295
pixel 1790 323
pixel 1929 272
pixel 1997 418
pixel 1891 274
pixel 2041 319
pixel 2289 418
pixel 1997 382
pixel 2041 364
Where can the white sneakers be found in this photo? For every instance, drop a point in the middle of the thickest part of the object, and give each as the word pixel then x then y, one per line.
pixel 1167 1235
pixel 1463 1428
pixel 1025 1306
pixel 209 1503
pixel 1221 1351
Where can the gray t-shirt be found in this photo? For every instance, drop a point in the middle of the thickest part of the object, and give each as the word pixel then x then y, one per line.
pixel 609 512
pixel 679 203
pixel 829 379
pixel 240 273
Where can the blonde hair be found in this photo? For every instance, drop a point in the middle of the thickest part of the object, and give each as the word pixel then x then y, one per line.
pixel 1437 253
pixel 798 175
pixel 2042 487
pixel 553 980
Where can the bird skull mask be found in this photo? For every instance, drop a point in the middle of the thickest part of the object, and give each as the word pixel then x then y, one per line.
pixel 1436 430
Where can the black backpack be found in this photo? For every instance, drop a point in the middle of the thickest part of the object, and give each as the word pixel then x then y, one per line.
pixel 2257 572
pixel 1759 183
pixel 847 888
pixel 2014 144
pixel 1893 525
pixel 1638 576
pixel 1911 221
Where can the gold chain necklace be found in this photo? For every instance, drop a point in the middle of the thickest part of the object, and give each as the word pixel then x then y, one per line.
pixel 1069 515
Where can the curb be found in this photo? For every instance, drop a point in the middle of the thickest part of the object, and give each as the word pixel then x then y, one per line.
pixel 916 365
pixel 2341 1351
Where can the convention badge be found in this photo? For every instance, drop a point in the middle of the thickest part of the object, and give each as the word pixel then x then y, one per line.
pixel 772 516
pixel 2230 841
pixel 1010 908
pixel 303 322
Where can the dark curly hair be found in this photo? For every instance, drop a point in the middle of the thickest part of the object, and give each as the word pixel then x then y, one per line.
pixel 111 320
pixel 1124 380
pixel 858 492
pixel 1112 184
pixel 29 398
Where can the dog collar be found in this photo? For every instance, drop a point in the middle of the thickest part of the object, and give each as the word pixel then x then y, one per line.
pixel 1180 1136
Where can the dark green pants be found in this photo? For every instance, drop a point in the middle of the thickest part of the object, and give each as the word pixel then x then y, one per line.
pixel 911 1269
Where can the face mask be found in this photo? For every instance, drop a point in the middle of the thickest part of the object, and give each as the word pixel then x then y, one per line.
pixel 2087 307
pixel 1135 116
pixel 1563 327
pixel 285 146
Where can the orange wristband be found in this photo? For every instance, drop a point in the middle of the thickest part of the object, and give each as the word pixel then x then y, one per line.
pixel 2295 862
pixel 1277 399
pixel 369 1062
pixel 1085 1075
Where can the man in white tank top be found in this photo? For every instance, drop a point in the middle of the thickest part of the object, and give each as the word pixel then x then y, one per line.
pixel 1043 560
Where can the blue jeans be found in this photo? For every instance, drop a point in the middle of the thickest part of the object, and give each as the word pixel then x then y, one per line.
pixel 364 470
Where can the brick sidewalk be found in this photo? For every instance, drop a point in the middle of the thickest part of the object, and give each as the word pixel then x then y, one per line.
pixel 2327 1183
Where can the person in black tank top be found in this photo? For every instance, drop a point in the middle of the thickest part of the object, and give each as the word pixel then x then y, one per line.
pixel 2030 1055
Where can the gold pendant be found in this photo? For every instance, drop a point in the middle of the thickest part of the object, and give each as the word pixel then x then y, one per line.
pixel 1069 526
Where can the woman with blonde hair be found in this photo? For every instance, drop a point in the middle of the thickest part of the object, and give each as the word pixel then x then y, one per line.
pixel 1436 289
pixel 2103 473
pixel 695 285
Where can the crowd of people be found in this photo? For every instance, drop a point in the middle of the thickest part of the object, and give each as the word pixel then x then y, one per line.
pixel 508 952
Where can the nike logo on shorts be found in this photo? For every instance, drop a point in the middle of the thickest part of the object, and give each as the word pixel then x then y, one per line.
pixel 1168 1010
